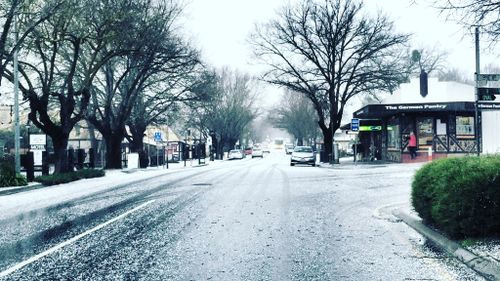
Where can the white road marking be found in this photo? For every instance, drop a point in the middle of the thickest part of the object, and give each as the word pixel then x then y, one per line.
pixel 67 242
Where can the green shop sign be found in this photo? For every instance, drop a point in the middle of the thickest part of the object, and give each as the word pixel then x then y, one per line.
pixel 370 128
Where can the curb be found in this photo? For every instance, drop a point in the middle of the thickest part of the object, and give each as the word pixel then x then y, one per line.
pixel 16 189
pixel 481 265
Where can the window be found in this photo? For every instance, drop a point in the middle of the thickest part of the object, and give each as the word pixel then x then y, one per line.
pixel 465 126
pixel 393 136
pixel 425 133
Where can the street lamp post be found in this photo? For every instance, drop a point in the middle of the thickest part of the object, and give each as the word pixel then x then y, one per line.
pixel 16 103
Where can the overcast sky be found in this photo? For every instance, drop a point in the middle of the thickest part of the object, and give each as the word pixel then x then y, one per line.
pixel 221 27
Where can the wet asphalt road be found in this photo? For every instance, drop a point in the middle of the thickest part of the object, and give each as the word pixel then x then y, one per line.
pixel 252 219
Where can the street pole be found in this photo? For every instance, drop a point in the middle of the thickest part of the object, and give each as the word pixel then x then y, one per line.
pixel 332 159
pixel 157 156
pixel 16 102
pixel 476 113
pixel 168 146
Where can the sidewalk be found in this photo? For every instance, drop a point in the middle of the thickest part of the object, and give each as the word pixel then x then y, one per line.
pixel 483 256
pixel 36 185
pixel 35 196
pixel 349 162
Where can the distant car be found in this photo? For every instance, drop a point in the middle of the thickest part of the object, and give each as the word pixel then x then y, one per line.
pixel 265 148
pixel 235 154
pixel 303 155
pixel 288 148
pixel 257 152
pixel 248 151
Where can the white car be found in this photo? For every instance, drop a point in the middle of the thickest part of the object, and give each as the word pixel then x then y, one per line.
pixel 303 155
pixel 257 152
pixel 235 154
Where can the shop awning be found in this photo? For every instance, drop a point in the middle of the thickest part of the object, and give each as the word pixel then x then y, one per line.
pixel 385 110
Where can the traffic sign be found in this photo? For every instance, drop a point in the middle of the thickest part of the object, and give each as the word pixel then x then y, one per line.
pixel 487 94
pixel 354 124
pixel 488 77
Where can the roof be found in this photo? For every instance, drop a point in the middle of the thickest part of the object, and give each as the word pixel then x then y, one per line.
pixel 442 96
pixel 437 92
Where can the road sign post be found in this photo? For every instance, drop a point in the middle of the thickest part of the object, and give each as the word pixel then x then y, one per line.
pixel 355 124
pixel 488 94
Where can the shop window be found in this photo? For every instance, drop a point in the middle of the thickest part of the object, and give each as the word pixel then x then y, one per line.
pixel 465 126
pixel 393 141
pixel 425 132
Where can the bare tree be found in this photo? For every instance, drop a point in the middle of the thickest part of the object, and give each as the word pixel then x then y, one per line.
pixel 331 52
pixel 29 15
pixel 430 60
pixel 456 75
pixel 124 79
pixel 230 110
pixel 55 76
pixel 176 83
pixel 296 115
pixel 485 14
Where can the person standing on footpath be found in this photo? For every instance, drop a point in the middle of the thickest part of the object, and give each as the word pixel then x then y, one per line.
pixel 412 145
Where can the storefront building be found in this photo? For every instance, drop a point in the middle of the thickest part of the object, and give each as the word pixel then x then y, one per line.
pixel 443 122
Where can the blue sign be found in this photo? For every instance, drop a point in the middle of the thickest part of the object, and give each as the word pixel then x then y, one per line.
pixel 355 124
pixel 157 136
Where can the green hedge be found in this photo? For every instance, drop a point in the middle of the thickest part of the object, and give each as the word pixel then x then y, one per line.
pixel 69 177
pixel 8 176
pixel 460 196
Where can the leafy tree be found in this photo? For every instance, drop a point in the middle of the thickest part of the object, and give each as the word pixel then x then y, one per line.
pixel 331 52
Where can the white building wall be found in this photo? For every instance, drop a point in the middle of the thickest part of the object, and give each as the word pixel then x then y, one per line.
pixel 491 131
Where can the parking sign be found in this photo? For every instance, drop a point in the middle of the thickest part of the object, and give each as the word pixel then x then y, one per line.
pixel 354 124
pixel 157 136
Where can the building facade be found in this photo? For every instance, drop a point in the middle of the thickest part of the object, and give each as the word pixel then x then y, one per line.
pixel 443 121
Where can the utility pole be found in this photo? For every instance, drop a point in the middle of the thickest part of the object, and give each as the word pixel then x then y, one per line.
pixel 476 102
pixel 16 101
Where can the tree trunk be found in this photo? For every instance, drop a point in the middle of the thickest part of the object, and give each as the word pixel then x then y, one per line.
pixel 61 154
pixel 300 141
pixel 113 151
pixel 327 142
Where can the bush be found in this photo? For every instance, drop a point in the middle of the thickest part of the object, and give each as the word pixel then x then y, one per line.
pixel 69 177
pixel 460 196
pixel 8 176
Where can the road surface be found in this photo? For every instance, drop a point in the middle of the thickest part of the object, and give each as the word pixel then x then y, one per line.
pixel 250 219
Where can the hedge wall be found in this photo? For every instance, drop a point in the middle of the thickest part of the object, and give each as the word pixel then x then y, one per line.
pixel 8 176
pixel 460 196
pixel 69 177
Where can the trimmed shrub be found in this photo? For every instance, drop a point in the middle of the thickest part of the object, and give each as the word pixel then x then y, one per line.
pixel 460 196
pixel 69 177
pixel 8 176
pixel 91 173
